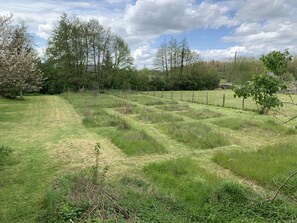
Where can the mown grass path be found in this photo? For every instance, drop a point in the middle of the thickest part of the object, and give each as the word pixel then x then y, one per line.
pixel 47 140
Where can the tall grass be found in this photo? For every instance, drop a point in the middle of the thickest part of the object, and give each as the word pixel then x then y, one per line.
pixel 183 177
pixel 201 114
pixel 99 118
pixel 133 142
pixel 158 117
pixel 174 107
pixel 149 101
pixel 195 135
pixel 267 125
pixel 209 198
pixel 268 166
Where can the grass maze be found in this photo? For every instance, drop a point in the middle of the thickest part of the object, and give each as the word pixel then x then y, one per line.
pixel 162 153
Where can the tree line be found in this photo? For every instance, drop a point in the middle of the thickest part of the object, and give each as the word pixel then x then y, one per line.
pixel 85 54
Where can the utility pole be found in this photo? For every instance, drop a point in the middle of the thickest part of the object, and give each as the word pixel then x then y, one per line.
pixel 234 69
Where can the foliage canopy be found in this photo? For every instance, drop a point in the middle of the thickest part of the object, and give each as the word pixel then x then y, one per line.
pixel 19 72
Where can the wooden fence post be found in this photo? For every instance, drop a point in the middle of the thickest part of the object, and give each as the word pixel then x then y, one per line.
pixel 181 95
pixel 193 97
pixel 171 94
pixel 162 93
pixel 242 106
pixel 224 99
pixel 206 100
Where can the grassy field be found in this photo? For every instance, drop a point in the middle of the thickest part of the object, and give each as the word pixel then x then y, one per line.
pixel 46 139
pixel 168 160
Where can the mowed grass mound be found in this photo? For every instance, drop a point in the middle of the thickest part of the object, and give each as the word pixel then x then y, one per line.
pixel 206 197
pixel 269 166
pixel 195 135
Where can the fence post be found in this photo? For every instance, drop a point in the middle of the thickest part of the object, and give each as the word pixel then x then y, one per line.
pixel 155 92
pixel 181 95
pixel 193 97
pixel 224 100
pixel 242 106
pixel 171 94
pixel 162 93
pixel 206 100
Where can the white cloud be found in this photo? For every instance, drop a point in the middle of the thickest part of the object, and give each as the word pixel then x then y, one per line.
pixel 223 54
pixel 144 55
pixel 258 26
pixel 44 31
pixel 156 17
pixel 263 10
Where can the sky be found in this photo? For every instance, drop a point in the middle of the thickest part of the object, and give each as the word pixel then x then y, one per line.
pixel 216 29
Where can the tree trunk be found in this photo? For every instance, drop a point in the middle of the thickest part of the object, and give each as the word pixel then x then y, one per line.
pixel 21 94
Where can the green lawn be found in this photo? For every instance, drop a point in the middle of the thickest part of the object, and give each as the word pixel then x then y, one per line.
pixel 37 125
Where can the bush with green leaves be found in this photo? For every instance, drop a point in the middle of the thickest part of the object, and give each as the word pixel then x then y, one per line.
pixel 277 62
pixel 263 89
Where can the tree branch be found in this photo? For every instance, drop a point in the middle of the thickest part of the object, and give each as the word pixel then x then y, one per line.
pixel 284 183
pixel 290 119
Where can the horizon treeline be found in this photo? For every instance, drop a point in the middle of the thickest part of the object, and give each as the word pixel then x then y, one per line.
pixel 85 54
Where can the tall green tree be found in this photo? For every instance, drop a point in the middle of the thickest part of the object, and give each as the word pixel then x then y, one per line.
pixel 174 58
pixel 87 53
